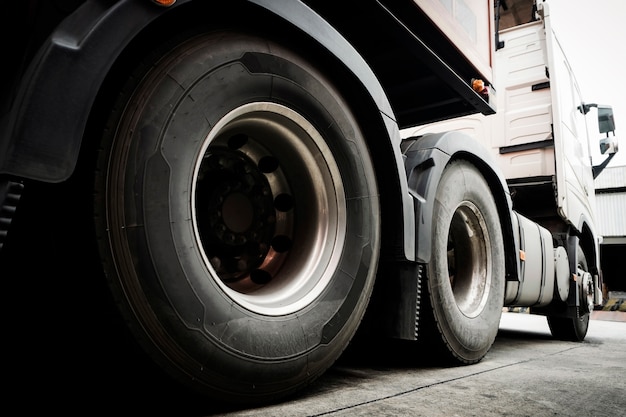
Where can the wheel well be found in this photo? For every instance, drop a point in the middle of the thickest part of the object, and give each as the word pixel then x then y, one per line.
pixel 181 22
pixel 197 17
pixel 587 244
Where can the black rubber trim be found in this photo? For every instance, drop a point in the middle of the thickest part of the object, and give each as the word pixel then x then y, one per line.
pixel 527 146
pixel 541 86
pixel 10 194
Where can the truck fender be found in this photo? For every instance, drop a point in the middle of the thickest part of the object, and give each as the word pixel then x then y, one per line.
pixel 590 245
pixel 42 134
pixel 43 131
pixel 425 160
pixel 394 309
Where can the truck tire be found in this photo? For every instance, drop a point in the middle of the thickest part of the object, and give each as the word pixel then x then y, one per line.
pixel 238 216
pixel 465 276
pixel 573 329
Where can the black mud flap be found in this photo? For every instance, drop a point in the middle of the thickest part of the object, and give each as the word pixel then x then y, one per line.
pixel 10 193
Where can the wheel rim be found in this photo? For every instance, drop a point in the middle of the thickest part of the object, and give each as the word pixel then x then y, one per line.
pixel 269 208
pixel 469 259
pixel 587 293
pixel 585 280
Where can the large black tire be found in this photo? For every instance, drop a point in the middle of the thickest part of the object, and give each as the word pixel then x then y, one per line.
pixel 239 217
pixel 574 329
pixel 465 276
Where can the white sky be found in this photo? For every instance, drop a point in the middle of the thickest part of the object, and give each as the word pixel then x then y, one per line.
pixel 593 36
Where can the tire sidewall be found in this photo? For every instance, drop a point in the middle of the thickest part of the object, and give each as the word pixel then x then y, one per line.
pixel 469 338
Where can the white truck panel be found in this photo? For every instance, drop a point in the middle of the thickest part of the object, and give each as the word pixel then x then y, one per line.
pixel 526 103
pixel 524 112
pixel 468 24
pixel 575 187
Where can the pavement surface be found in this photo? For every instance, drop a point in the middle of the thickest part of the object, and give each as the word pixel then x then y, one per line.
pixel 526 373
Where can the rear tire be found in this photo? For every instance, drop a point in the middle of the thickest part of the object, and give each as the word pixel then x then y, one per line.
pixel 573 329
pixel 465 276
pixel 239 217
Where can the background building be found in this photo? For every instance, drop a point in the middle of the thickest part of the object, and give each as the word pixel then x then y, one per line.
pixel 611 221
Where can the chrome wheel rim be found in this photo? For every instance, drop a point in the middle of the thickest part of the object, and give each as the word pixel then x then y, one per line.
pixel 268 208
pixel 469 259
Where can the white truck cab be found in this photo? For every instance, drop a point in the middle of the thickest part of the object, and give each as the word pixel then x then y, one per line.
pixel 539 138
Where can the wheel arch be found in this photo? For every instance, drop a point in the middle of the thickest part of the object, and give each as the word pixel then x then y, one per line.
pixel 583 236
pixel 79 69
pixel 589 245
pixel 427 157
pixel 45 125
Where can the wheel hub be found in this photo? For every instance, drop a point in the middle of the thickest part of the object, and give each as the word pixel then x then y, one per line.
pixel 236 214
pixel 587 290
pixel 468 259
pixel 270 210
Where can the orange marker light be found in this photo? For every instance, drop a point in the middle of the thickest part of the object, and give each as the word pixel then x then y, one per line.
pixel 164 3
pixel 522 255
pixel 480 87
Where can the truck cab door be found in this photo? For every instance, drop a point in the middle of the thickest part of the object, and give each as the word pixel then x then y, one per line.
pixel 574 175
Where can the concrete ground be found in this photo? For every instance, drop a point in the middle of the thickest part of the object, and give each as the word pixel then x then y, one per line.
pixel 526 373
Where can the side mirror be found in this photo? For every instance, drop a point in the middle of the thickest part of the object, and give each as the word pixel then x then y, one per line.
pixel 606 124
pixel 608 145
pixel 606 121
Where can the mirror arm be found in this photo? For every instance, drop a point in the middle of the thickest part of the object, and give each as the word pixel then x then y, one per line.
pixel 498 3
pixel 584 108
pixel 597 169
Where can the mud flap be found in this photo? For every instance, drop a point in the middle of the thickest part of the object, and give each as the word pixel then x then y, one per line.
pixel 10 194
